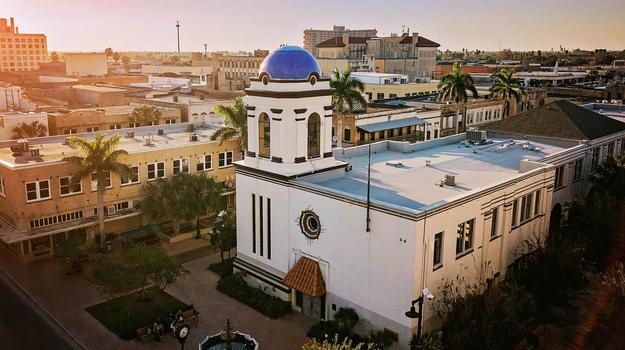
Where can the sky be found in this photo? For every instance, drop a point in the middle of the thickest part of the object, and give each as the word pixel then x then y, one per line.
pixel 232 25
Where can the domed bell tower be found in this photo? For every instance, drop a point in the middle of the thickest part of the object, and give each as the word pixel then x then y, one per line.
pixel 289 109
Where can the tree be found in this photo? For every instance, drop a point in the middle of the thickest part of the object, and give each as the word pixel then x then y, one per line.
pixel 116 56
pixel 29 130
pixel 506 88
pixel 108 52
pixel 235 120
pixel 126 62
pixel 224 235
pixel 152 264
pixel 453 88
pixel 182 198
pixel 98 158
pixel 347 96
pixel 54 56
pixel 146 115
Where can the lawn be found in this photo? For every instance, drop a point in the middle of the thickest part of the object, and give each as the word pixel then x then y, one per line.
pixel 196 253
pixel 113 314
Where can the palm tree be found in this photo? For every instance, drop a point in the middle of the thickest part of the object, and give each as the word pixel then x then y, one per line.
pixel 235 119
pixel 99 156
pixel 506 88
pixel 347 96
pixel 453 88
pixel 26 131
pixel 145 115
pixel 108 52
pixel 54 56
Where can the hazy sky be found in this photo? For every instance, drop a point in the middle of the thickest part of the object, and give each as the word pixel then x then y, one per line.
pixel 128 25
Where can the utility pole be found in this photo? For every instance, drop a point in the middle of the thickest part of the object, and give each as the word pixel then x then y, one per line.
pixel 178 35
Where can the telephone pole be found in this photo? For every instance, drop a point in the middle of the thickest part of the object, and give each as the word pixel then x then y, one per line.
pixel 178 35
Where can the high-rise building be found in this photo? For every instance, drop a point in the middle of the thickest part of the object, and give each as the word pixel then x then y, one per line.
pixel 20 52
pixel 312 37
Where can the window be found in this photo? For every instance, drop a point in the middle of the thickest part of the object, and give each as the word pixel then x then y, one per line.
pixel 181 166
pixel 225 159
pixel 515 212
pixel 156 171
pixel 115 126
pixel 205 162
pixel 347 135
pixel 559 177
pixel 2 193
pixel 537 203
pixel 70 131
pixel 132 178
pixel 92 128
pixel 107 181
pixel 314 136
pixel 170 121
pixel 494 224
pixel 577 169
pixel 264 135
pixel 37 190
pixel 134 125
pixel 594 163
pixel 464 239
pixel 67 188
pixel 379 96
pixel 526 207
pixel 438 250
pixel 56 219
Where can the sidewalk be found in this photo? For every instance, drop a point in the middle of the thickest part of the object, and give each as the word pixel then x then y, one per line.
pixel 65 298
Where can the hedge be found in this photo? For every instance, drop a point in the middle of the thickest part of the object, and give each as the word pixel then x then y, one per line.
pixel 235 286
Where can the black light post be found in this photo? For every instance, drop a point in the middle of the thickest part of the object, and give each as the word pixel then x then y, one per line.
pixel 412 313
pixel 181 329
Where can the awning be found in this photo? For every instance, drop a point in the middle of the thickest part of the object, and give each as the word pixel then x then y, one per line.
pixel 305 276
pixel 392 124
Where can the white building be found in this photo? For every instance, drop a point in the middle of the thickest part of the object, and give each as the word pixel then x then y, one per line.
pixel 440 209
pixel 80 64
pixel 10 120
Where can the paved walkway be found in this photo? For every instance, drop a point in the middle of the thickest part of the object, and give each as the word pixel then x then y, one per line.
pixel 65 297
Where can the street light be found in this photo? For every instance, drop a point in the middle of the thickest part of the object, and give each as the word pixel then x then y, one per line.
pixel 413 314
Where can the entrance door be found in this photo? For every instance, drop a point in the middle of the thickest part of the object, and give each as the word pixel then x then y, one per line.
pixel 313 306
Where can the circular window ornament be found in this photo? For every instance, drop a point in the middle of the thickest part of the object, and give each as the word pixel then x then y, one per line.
pixel 309 224
pixel 312 80
pixel 265 79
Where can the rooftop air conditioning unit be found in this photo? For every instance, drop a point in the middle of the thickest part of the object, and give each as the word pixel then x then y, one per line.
pixel 450 180
pixel 161 132
pixel 34 152
pixel 193 137
pixel 476 136
pixel 190 127
pixel 148 142
pixel 130 134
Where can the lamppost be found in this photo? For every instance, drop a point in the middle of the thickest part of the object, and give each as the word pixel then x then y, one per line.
pixel 412 313
pixel 181 329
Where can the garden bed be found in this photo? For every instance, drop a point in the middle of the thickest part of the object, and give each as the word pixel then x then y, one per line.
pixel 235 286
pixel 114 314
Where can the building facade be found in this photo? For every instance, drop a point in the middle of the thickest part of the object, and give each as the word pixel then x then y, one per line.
pixel 79 64
pixel 14 119
pixel 39 209
pixel 20 52
pixel 312 37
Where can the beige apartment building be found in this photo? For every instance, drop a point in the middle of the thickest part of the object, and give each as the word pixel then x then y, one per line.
pixel 312 37
pixel 39 209
pixel 73 121
pixel 20 52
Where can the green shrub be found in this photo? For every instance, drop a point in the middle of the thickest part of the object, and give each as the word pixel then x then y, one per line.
pixel 235 286
pixel 222 268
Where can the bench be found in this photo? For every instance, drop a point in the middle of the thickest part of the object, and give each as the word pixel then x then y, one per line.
pixel 144 334
pixel 191 314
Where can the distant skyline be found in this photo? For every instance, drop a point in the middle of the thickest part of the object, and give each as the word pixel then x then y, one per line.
pixel 490 25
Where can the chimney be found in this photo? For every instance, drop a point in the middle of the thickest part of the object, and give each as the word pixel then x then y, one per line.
pixel 415 38
pixel 12 24
pixel 17 30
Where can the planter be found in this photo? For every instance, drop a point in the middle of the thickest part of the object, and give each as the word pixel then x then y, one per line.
pixel 181 237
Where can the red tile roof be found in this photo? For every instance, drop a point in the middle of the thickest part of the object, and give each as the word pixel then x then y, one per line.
pixel 305 276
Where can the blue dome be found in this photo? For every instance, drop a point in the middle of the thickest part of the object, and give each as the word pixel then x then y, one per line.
pixel 290 63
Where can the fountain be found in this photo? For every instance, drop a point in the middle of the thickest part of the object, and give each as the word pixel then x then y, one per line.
pixel 229 340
